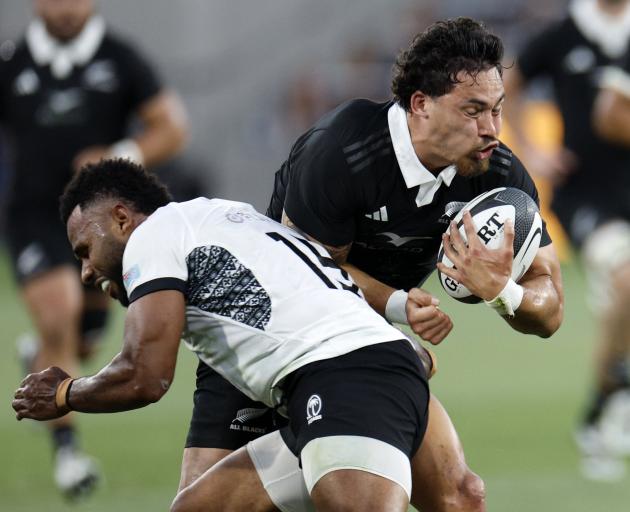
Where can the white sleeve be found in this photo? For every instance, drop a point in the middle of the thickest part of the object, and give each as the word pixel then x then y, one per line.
pixel 155 256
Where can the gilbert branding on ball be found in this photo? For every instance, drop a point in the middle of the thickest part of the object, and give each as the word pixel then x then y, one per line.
pixel 489 212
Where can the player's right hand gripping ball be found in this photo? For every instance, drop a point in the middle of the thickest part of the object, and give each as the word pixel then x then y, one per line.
pixel 489 212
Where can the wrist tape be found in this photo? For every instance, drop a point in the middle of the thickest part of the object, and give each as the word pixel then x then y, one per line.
pixel 508 301
pixel 61 396
pixel 395 309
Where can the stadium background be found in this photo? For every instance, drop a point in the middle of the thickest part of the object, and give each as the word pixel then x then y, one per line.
pixel 254 75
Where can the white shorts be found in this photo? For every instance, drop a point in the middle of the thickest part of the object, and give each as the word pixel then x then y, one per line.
pixel 289 487
pixel 604 251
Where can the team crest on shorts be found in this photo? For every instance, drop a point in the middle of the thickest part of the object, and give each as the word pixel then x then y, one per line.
pixel 313 409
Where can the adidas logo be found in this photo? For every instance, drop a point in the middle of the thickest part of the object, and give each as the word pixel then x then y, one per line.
pixel 380 214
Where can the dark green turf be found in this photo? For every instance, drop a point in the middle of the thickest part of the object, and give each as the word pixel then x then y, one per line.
pixel 513 398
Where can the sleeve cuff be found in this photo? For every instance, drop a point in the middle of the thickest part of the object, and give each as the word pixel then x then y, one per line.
pixel 157 285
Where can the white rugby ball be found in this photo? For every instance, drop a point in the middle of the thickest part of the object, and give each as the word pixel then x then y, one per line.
pixel 489 212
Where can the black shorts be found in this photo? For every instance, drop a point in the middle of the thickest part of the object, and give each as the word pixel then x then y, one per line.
pixel 223 417
pixel 37 244
pixel 380 391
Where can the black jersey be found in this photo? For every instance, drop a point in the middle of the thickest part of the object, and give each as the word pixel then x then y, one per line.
pixel 49 120
pixel 575 64
pixel 343 183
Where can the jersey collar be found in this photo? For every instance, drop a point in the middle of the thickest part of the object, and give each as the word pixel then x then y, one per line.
pixel 610 33
pixel 414 173
pixel 62 57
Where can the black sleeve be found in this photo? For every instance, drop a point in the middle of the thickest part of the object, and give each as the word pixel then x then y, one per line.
pixel 518 177
pixel 141 81
pixel 538 55
pixel 319 198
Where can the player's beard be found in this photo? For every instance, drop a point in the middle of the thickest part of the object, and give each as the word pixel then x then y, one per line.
pixel 470 167
pixel 114 270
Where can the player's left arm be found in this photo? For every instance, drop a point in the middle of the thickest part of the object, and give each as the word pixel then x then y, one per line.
pixel 139 375
pixel 542 308
pixel 536 302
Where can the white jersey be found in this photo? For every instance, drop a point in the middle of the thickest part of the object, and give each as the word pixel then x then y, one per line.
pixel 261 300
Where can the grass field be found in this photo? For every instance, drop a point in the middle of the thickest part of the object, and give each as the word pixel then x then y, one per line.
pixel 514 400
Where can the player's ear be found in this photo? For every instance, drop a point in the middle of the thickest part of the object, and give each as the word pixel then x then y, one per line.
pixel 418 103
pixel 121 217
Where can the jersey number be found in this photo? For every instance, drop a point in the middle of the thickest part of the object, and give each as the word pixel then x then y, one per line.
pixel 343 282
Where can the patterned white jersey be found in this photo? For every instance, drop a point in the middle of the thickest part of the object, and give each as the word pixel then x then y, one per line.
pixel 261 300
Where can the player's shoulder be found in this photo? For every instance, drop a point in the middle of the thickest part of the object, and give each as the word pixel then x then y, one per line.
pixel 355 118
pixel 118 46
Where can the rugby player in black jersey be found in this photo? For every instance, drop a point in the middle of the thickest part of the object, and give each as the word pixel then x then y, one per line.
pixel 67 92
pixel 591 195
pixel 372 182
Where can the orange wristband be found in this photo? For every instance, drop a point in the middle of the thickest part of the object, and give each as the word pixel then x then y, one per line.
pixel 61 396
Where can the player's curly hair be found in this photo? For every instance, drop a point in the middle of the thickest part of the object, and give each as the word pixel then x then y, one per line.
pixel 436 56
pixel 116 178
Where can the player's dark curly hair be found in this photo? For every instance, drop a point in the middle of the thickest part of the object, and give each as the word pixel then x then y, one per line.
pixel 116 178
pixel 436 56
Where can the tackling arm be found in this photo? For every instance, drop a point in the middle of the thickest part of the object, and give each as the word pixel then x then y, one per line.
pixel 139 375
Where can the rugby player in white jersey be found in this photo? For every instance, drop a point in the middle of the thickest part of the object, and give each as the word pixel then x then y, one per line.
pixel 261 305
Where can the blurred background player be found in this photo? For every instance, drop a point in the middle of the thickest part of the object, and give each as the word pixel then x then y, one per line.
pixel 591 195
pixel 67 93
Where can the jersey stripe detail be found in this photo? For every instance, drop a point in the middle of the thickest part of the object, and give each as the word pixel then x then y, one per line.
pixel 219 283
pixel 370 159
pixel 365 152
pixel 157 285
pixel 356 145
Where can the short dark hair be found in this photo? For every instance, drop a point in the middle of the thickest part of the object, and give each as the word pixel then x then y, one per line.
pixel 116 178
pixel 436 56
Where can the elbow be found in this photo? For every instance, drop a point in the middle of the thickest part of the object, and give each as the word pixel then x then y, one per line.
pixel 148 388
pixel 551 325
pixel 150 391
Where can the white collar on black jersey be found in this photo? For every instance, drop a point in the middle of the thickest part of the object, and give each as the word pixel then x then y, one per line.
pixel 62 57
pixel 410 165
pixel 610 33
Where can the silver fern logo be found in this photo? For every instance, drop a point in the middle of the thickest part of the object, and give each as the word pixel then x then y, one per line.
pixel 313 409
pixel 248 414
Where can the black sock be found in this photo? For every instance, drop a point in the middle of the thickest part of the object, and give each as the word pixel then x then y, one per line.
pixel 64 437
pixel 617 374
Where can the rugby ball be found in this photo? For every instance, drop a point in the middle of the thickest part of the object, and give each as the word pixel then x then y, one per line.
pixel 489 212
